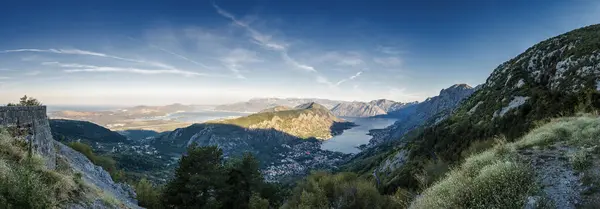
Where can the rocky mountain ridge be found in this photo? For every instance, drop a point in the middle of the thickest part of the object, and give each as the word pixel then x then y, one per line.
pixel 357 109
pixel 433 109
pixel 258 104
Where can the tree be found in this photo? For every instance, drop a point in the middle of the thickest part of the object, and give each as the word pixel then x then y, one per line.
pixel 198 179
pixel 26 101
pixel 342 190
pixel 243 177
pixel 147 195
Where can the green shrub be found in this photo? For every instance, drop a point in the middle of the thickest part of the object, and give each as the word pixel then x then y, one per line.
pixel 581 160
pixel 147 195
pixel 480 146
pixel 491 179
pixel 256 202
pixel 343 190
pixel 26 183
pixel 432 171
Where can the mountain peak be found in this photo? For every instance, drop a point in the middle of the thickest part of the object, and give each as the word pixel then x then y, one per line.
pixel 311 105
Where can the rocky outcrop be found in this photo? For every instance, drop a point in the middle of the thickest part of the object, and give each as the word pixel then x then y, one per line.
pixel 432 111
pixel 357 109
pixel 34 120
pixel 97 177
pixel 389 105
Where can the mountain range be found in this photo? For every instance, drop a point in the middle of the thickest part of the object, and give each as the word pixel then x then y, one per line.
pixel 258 104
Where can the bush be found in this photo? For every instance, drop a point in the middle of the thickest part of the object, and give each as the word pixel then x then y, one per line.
pixel 256 202
pixel 343 190
pixel 147 195
pixel 26 101
pixel 492 179
pixel 432 171
pixel 26 183
pixel 581 160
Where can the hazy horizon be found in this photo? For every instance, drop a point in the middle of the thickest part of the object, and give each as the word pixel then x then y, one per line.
pixel 226 51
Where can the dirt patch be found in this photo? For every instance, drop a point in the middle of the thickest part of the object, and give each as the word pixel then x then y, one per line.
pixel 559 182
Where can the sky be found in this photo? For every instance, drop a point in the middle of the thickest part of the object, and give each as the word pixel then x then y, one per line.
pixel 223 51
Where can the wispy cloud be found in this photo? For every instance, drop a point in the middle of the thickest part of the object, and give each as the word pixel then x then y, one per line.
pixel 236 58
pixel 265 40
pixel 89 53
pixel 349 58
pixel 33 73
pixel 387 61
pixel 4 78
pixel 388 50
pixel 75 68
pixel 134 70
pixel 349 78
pixel 180 56
pixel 173 53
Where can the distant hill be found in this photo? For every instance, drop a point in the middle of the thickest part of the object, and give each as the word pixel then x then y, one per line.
pixel 390 105
pixel 378 107
pixel 310 120
pixel 90 133
pixel 275 109
pixel 258 104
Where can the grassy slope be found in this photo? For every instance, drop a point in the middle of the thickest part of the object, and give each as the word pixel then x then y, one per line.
pixel 26 183
pixel 501 178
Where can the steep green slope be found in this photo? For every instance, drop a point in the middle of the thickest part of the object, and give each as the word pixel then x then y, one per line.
pixel 557 77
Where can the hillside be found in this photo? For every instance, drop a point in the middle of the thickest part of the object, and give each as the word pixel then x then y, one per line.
pixel 556 77
pixel 310 120
pixel 73 130
pixel 433 109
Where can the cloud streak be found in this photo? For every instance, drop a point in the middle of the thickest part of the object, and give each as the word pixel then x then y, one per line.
pixel 88 53
pixel 349 78
pixel 264 40
pixel 135 70
pixel 76 68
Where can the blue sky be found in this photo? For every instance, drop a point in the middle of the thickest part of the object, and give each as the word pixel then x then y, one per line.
pixel 211 52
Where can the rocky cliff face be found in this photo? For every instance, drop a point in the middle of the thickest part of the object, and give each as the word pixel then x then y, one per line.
pixel 433 109
pixel 96 177
pixel 389 105
pixel 35 121
pixel 357 109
